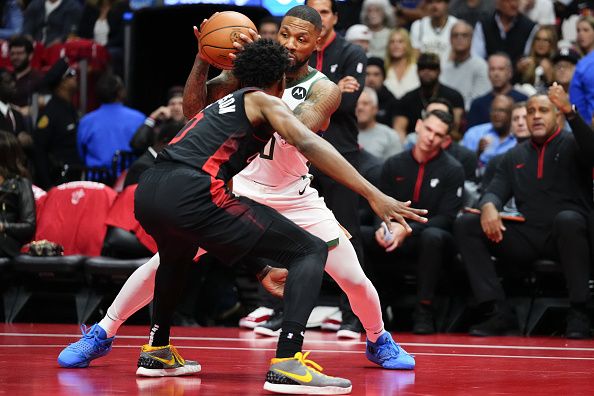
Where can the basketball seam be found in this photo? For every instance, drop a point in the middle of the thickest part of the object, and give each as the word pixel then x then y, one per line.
pixel 225 27
pixel 215 63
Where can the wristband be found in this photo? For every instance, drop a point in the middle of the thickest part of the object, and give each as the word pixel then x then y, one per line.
pixel 262 274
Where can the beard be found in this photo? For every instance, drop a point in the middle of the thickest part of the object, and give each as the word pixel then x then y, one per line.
pixel 297 65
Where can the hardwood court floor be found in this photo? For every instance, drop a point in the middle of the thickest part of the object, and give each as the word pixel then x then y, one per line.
pixel 234 362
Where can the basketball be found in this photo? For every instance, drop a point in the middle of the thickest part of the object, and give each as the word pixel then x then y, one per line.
pixel 219 33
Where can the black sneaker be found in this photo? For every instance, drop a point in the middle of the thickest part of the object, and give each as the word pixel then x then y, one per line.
pixel 578 324
pixel 423 321
pixel 350 327
pixel 272 327
pixel 502 321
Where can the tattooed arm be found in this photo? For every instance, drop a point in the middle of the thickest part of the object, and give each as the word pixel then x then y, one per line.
pixel 322 101
pixel 199 93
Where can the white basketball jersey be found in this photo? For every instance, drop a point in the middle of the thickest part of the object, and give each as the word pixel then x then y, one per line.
pixel 280 163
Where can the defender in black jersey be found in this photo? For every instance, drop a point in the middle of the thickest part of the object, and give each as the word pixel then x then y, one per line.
pixel 183 202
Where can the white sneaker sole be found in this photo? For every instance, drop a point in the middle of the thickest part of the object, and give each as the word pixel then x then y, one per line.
pixel 263 331
pixel 348 334
pixel 306 390
pixel 176 372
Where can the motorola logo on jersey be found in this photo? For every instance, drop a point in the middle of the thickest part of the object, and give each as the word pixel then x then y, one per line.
pixel 299 93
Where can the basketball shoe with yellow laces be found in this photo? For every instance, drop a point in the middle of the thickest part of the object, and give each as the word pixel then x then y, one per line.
pixel 164 361
pixel 298 375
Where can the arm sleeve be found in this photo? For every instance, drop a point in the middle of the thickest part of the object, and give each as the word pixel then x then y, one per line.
pixel 13 18
pixel 356 63
pixel 415 31
pixel 144 136
pixel 478 41
pixel 499 190
pixel 576 93
pixel 451 201
pixel 41 141
pixel 24 229
pixel 584 137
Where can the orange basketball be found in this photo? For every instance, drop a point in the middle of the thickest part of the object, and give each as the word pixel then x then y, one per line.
pixel 219 33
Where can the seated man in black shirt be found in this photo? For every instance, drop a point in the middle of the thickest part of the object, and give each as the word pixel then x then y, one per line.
pixel 550 177
pixel 412 104
pixel 433 179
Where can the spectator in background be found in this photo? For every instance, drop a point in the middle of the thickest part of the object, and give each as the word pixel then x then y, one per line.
pixel 17 225
pixel 466 72
pixel 555 198
pixel 585 34
pixel 55 133
pixel 471 11
pixel 494 136
pixel 359 35
pixel 375 74
pixel 413 103
pixel 581 89
pixel 109 128
pixel 506 30
pixel 147 159
pixel 401 64
pixel 51 21
pixel 536 69
pixel 463 155
pixel 103 22
pixel 432 33
pixel 28 80
pixel 377 139
pixel 173 112
pixel 564 62
pixel 11 22
pixel 434 180
pixel 378 16
pixel 540 11
pixel 11 120
pixel 500 75
pixel 268 28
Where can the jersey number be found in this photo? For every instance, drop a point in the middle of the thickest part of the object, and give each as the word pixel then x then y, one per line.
pixel 268 150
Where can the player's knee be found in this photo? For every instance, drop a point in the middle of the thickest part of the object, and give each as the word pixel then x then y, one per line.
pixel 318 248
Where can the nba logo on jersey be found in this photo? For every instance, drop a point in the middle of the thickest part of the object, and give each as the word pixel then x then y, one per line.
pixel 299 93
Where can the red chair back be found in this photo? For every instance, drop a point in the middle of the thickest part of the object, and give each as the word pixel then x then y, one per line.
pixel 74 216
pixel 121 215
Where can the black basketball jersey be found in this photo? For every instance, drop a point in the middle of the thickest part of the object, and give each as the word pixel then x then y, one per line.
pixel 219 140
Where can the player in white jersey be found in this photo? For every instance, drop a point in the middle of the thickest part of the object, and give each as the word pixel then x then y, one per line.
pixel 278 178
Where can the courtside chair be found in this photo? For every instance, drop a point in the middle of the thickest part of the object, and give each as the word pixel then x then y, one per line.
pixel 73 216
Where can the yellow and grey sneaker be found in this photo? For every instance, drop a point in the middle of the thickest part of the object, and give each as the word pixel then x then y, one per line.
pixel 164 361
pixel 297 375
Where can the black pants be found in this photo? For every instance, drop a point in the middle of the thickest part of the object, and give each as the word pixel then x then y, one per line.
pixel 176 207
pixel 344 203
pixel 430 250
pixel 567 242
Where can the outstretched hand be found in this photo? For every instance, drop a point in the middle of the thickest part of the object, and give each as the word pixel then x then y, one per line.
pixel 388 209
pixel 274 281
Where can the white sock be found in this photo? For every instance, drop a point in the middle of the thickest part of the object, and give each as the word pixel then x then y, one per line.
pixel 343 266
pixel 135 294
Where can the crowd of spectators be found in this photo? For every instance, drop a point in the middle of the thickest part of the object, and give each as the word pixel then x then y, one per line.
pixel 461 97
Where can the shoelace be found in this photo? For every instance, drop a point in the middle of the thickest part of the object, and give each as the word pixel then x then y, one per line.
pixel 86 331
pixel 385 352
pixel 302 358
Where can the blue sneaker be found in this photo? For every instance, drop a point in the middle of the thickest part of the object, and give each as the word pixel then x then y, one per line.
pixel 388 354
pixel 93 344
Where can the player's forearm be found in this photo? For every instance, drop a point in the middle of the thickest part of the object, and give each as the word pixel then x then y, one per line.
pixel 195 88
